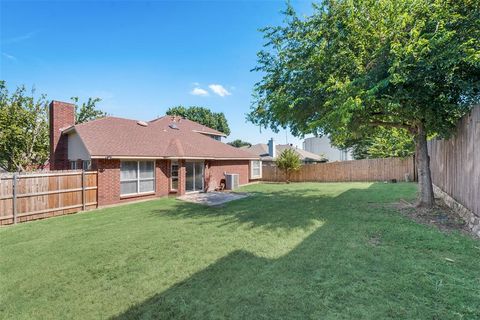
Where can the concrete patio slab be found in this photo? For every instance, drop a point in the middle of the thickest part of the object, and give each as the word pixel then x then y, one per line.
pixel 213 198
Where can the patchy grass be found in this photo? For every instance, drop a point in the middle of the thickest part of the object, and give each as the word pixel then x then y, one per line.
pixel 329 251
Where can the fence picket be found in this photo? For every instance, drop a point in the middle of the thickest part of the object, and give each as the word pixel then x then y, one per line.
pixel 30 196
pixel 345 171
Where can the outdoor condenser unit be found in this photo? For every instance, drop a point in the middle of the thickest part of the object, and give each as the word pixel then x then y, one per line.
pixel 232 180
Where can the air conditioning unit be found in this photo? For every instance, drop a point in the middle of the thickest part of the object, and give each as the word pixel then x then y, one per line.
pixel 232 180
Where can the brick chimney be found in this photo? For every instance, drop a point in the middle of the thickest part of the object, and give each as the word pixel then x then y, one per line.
pixel 61 116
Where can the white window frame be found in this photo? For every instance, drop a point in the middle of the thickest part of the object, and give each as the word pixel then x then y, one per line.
pixel 172 163
pixel 73 165
pixel 138 179
pixel 252 175
pixel 86 165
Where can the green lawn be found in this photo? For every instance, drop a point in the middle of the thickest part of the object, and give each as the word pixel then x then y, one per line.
pixel 307 250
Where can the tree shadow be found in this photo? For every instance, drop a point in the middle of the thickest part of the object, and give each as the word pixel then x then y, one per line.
pixel 328 275
pixel 269 210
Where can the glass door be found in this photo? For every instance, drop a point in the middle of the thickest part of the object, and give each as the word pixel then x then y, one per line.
pixel 190 176
pixel 194 176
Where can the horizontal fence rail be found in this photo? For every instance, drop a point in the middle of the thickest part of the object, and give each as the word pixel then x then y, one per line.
pixel 455 163
pixel 37 195
pixel 345 171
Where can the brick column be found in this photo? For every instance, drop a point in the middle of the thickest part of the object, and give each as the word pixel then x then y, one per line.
pixel 61 116
pixel 182 177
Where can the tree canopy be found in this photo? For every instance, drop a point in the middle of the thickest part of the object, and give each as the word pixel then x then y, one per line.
pixel 87 111
pixel 205 116
pixel 354 66
pixel 237 143
pixel 23 129
pixel 383 143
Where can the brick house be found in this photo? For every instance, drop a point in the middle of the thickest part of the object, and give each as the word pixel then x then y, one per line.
pixel 139 160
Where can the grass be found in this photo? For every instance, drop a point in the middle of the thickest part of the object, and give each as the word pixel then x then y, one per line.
pixel 329 251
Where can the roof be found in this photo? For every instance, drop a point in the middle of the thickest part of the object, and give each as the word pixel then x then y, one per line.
pixel 261 149
pixel 188 125
pixel 160 138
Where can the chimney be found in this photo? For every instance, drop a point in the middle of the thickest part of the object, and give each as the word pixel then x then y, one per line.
pixel 61 116
pixel 272 151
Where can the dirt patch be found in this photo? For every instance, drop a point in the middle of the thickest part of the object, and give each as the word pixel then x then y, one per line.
pixel 439 216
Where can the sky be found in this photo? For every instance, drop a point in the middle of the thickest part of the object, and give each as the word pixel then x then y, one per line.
pixel 142 57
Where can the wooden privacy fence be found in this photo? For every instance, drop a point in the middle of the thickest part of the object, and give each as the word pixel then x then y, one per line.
pixel 343 171
pixel 455 163
pixel 31 196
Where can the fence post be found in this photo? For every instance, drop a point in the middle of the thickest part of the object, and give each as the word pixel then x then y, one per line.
pixel 14 198
pixel 83 191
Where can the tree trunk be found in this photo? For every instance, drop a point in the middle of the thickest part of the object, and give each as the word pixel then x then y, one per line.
pixel 425 199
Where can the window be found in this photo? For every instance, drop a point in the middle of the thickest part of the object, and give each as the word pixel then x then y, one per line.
pixel 174 175
pixel 256 169
pixel 73 165
pixel 86 165
pixel 137 177
pixel 218 138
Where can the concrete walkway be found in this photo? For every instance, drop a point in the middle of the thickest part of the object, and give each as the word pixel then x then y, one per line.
pixel 213 198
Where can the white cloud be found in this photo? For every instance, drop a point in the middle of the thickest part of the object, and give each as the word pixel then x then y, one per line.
pixel 219 89
pixel 19 38
pixel 199 92
pixel 8 56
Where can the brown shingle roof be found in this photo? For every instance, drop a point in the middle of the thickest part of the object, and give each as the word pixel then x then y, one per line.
pixel 261 149
pixel 121 138
pixel 187 125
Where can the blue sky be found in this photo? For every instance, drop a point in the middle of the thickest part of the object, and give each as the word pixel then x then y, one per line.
pixel 142 57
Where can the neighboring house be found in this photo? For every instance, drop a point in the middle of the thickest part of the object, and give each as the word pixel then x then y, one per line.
pixel 135 159
pixel 269 152
pixel 323 146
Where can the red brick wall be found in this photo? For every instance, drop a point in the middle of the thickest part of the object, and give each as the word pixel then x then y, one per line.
pixel 61 116
pixel 215 169
pixel 109 181
pixel 109 178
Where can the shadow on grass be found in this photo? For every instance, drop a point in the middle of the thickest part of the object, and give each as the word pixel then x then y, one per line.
pixel 331 274
pixel 271 209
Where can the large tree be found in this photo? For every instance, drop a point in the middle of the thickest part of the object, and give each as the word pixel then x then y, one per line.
pixel 214 120
pixel 23 129
pixel 353 66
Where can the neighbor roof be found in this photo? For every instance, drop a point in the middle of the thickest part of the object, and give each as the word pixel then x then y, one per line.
pixel 261 149
pixel 165 137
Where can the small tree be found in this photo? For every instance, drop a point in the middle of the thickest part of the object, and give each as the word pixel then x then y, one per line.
pixel 288 162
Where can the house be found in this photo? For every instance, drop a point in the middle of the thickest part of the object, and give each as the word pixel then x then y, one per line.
pixel 138 160
pixel 323 146
pixel 269 152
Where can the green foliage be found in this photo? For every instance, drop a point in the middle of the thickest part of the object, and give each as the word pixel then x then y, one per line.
pixel 288 161
pixel 384 143
pixel 239 143
pixel 214 120
pixel 23 129
pixel 354 65
pixel 87 111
